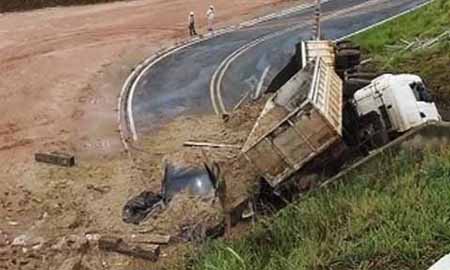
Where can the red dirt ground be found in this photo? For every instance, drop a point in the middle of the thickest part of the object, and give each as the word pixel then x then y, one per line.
pixel 61 70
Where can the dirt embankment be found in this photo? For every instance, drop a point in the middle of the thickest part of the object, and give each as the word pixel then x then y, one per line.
pixel 167 143
pixel 21 5
pixel 61 71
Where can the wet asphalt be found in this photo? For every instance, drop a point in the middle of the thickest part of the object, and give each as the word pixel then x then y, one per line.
pixel 179 83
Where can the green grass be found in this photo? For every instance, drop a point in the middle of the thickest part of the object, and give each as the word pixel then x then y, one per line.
pixel 431 64
pixel 427 22
pixel 393 215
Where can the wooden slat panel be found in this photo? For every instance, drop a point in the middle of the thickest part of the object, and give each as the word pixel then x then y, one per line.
pixel 266 159
pixel 314 127
pixel 293 147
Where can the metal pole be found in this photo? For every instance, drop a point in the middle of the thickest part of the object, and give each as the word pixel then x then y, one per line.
pixel 316 27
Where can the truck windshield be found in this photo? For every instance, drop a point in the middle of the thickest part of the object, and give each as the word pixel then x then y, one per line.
pixel 420 92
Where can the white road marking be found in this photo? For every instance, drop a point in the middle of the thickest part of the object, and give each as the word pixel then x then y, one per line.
pixel 217 78
pixel 228 61
pixel 151 61
pixel 385 20
pixel 135 83
pixel 258 91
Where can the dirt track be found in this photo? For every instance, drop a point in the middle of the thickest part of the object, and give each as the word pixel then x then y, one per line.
pixel 61 72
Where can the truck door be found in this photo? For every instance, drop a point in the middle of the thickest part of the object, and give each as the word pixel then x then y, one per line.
pixel 386 110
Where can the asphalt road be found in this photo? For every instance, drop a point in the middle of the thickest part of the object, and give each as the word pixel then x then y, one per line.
pixel 180 83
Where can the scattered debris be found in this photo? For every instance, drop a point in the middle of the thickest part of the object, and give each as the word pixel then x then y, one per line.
pixel 156 239
pixel 72 243
pixel 56 158
pixel 144 251
pixel 20 240
pixel 25 240
pixel 100 189
pixel 136 209
pixel 76 242
pixel 71 264
pixel 184 213
pixel 210 145
pixel 241 101
pixel 4 239
pixel 419 44
pixel 92 238
pixel 182 174
pixel 366 61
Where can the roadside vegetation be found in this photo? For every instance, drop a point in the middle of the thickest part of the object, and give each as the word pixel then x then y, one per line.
pixel 387 45
pixel 394 214
pixel 391 214
pixel 21 5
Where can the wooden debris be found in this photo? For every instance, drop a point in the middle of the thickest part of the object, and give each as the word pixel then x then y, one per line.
pixel 210 145
pixel 418 44
pixel 74 263
pixel 431 42
pixel 143 251
pixel 366 61
pixel 405 41
pixel 151 239
pixel 241 101
pixel 225 117
pixel 56 158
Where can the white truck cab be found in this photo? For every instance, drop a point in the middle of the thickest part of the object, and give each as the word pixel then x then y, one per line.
pixel 402 102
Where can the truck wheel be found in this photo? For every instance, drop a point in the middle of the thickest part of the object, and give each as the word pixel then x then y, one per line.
pixel 373 133
pixel 368 76
pixel 380 136
pixel 346 44
pixel 347 58
pixel 353 85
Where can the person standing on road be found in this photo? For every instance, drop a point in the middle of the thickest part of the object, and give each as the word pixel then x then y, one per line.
pixel 210 14
pixel 191 21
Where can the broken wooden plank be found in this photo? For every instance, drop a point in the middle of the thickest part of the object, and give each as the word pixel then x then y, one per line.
pixel 431 42
pixel 366 61
pixel 241 101
pixel 151 239
pixel 210 145
pixel 143 251
pixel 406 42
pixel 56 158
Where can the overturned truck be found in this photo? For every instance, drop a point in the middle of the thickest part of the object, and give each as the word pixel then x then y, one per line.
pixel 302 120
pixel 315 123
pixel 312 124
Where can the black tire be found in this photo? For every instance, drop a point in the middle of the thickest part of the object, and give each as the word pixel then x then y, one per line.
pixel 347 59
pixel 373 131
pixel 380 137
pixel 346 44
pixel 353 85
pixel 360 75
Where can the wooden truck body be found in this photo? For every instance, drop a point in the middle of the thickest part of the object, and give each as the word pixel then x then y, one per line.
pixel 298 123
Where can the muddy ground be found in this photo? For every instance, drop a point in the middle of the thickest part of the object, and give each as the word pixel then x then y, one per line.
pixel 61 72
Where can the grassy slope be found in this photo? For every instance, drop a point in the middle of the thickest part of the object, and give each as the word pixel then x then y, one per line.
pixel 394 215
pixel 431 64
